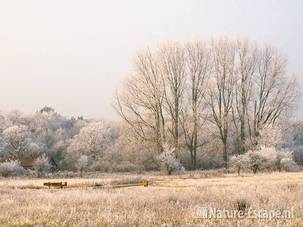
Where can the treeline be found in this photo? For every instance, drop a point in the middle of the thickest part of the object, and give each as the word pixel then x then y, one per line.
pixel 197 105
pixel 46 141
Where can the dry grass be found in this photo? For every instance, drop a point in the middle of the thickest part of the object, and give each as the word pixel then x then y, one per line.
pixel 170 200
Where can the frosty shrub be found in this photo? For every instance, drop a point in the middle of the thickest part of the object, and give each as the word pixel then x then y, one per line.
pixel 254 160
pixel 262 159
pixel 281 160
pixel 285 161
pixel 266 158
pixel 289 165
pixel 168 161
pixel 269 157
pixel 11 168
pixel 82 164
pixel 239 162
pixel 298 155
pixel 41 165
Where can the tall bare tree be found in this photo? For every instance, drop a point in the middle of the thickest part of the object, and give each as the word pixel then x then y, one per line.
pixel 222 89
pixel 246 58
pixel 193 112
pixel 140 102
pixel 274 93
pixel 173 71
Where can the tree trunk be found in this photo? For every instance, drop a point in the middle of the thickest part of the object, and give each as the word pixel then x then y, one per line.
pixel 191 159
pixel 195 142
pixel 195 160
pixel 225 153
pixel 176 124
pixel 242 133
pixel 255 169
pixel 242 117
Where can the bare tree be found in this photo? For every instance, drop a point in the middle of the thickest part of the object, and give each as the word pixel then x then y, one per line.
pixel 140 102
pixel 221 89
pixel 247 58
pixel 193 112
pixel 274 94
pixel 172 60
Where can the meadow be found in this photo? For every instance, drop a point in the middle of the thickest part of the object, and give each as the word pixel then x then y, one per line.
pixel 167 201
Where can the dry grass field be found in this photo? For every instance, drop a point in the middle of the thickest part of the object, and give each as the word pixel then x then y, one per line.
pixel 168 201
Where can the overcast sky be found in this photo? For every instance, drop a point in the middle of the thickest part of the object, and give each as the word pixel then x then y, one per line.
pixel 72 55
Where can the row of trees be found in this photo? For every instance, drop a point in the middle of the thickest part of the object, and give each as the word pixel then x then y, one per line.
pixel 88 145
pixel 189 95
pixel 45 141
pixel 40 137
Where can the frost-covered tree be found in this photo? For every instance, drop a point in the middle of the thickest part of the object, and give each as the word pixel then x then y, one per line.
pixel 221 86
pixel 92 141
pixel 25 137
pixel 54 131
pixel 194 111
pixel 11 168
pixel 248 90
pixel 18 144
pixel 140 101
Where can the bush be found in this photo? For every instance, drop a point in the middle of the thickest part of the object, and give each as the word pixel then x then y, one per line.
pixel 256 161
pixel 11 168
pixel 41 166
pixel 263 159
pixel 239 163
pixel 266 158
pixel 285 161
pixel 289 165
pixel 298 155
pixel 168 161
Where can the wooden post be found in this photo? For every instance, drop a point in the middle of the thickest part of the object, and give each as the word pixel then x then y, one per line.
pixel 145 183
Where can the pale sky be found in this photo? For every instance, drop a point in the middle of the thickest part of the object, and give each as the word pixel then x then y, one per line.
pixel 72 55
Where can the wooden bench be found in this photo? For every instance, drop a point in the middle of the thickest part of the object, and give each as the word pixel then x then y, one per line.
pixel 55 184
